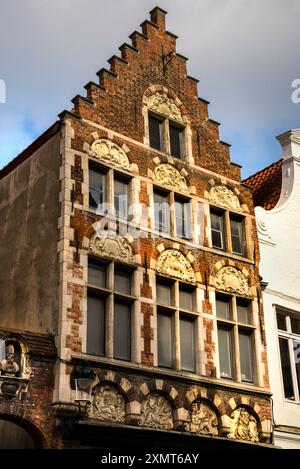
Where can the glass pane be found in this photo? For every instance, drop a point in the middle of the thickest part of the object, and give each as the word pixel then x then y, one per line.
pixel 156 133
pixel 96 274
pixel 122 331
pixel 97 188
pixel 223 307
pixel 217 230
pixel 237 235
pixel 164 335
pixel 296 348
pixel 281 322
pixel 95 326
pixel 163 294
pixel 243 312
pixel 225 352
pixel 121 198
pixel 176 141
pixel 295 323
pixel 161 213
pixel 187 352
pixel 186 299
pixel 123 281
pixel 286 368
pixel 183 219
pixel 245 342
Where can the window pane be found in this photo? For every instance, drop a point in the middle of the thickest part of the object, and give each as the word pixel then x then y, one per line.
pixel 286 369
pixel 225 352
pixel 223 307
pixel 245 342
pixel 296 349
pixel 164 335
pixel 281 322
pixel 237 235
pixel 164 293
pixel 186 298
pixel 123 281
pixel 122 331
pixel 96 274
pixel 176 141
pixel 183 219
pixel 121 198
pixel 187 352
pixel 243 312
pixel 217 230
pixel 295 323
pixel 156 133
pixel 97 188
pixel 161 213
pixel 95 326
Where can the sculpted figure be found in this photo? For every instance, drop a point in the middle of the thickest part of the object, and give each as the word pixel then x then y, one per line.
pixel 9 366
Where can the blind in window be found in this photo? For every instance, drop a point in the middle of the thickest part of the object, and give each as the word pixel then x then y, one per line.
pixel 155 133
pixel 176 139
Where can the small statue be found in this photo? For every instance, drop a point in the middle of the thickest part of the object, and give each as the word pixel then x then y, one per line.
pixel 9 366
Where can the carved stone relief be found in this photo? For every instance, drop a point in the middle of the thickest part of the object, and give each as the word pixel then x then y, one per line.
pixel 244 426
pixel 167 175
pixel 223 196
pixel 174 264
pixel 110 153
pixel 203 419
pixel 156 412
pixel 108 404
pixel 231 280
pixel 9 366
pixel 161 103
pixel 112 247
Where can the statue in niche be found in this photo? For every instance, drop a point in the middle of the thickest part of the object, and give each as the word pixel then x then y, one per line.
pixel 9 366
pixel 156 412
pixel 203 419
pixel 108 404
pixel 244 426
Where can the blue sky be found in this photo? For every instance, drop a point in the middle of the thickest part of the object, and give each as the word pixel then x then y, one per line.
pixel 245 53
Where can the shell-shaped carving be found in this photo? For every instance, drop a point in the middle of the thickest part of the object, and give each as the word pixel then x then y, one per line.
pixel 174 264
pixel 105 245
pixel 109 152
pixel 167 175
pixel 221 195
pixel 243 426
pixel 107 404
pixel 202 419
pixel 156 412
pixel 162 104
pixel 231 280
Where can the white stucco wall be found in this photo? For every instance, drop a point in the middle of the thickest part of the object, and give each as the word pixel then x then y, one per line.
pixel 279 236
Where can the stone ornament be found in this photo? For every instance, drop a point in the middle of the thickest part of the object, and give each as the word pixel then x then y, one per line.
pixel 112 247
pixel 261 222
pixel 9 366
pixel 174 264
pixel 231 280
pixel 203 419
pixel 221 195
pixel 109 152
pixel 167 175
pixel 107 405
pixel 156 412
pixel 244 426
pixel 162 104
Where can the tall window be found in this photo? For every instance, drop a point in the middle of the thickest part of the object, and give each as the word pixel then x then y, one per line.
pixel 217 229
pixel 288 325
pixel 109 303
pixel 170 206
pixel 228 231
pixel 235 338
pixel 121 197
pixel 165 135
pixel 183 218
pixel 97 187
pixel 237 235
pixel 176 316
pixel 161 212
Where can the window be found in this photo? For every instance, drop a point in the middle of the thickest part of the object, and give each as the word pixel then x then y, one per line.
pixel 170 206
pixel 288 325
pixel 166 136
pixel 121 197
pixel 176 316
pixel 237 235
pixel 183 218
pixel 110 300
pixel 235 338
pixel 228 232
pixel 97 187
pixel 161 212
pixel 217 230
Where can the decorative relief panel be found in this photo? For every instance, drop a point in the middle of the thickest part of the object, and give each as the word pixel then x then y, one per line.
pixel 161 103
pixel 231 280
pixel 174 264
pixel 221 195
pixel 244 426
pixel 9 366
pixel 167 175
pixel 109 152
pixel 114 247
pixel 203 419
pixel 108 404
pixel 156 412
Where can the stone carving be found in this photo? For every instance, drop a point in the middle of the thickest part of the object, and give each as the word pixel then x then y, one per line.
pixel 167 175
pixel 110 153
pixel 9 366
pixel 156 412
pixel 108 404
pixel 106 245
pixel 161 103
pixel 244 426
pixel 203 419
pixel 231 280
pixel 174 264
pixel 221 195
pixel 261 223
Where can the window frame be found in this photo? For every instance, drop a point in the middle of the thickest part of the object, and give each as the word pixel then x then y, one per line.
pixel 228 215
pixel 165 135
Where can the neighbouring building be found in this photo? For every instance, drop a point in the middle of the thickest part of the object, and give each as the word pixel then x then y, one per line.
pixel 276 193
pixel 129 252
